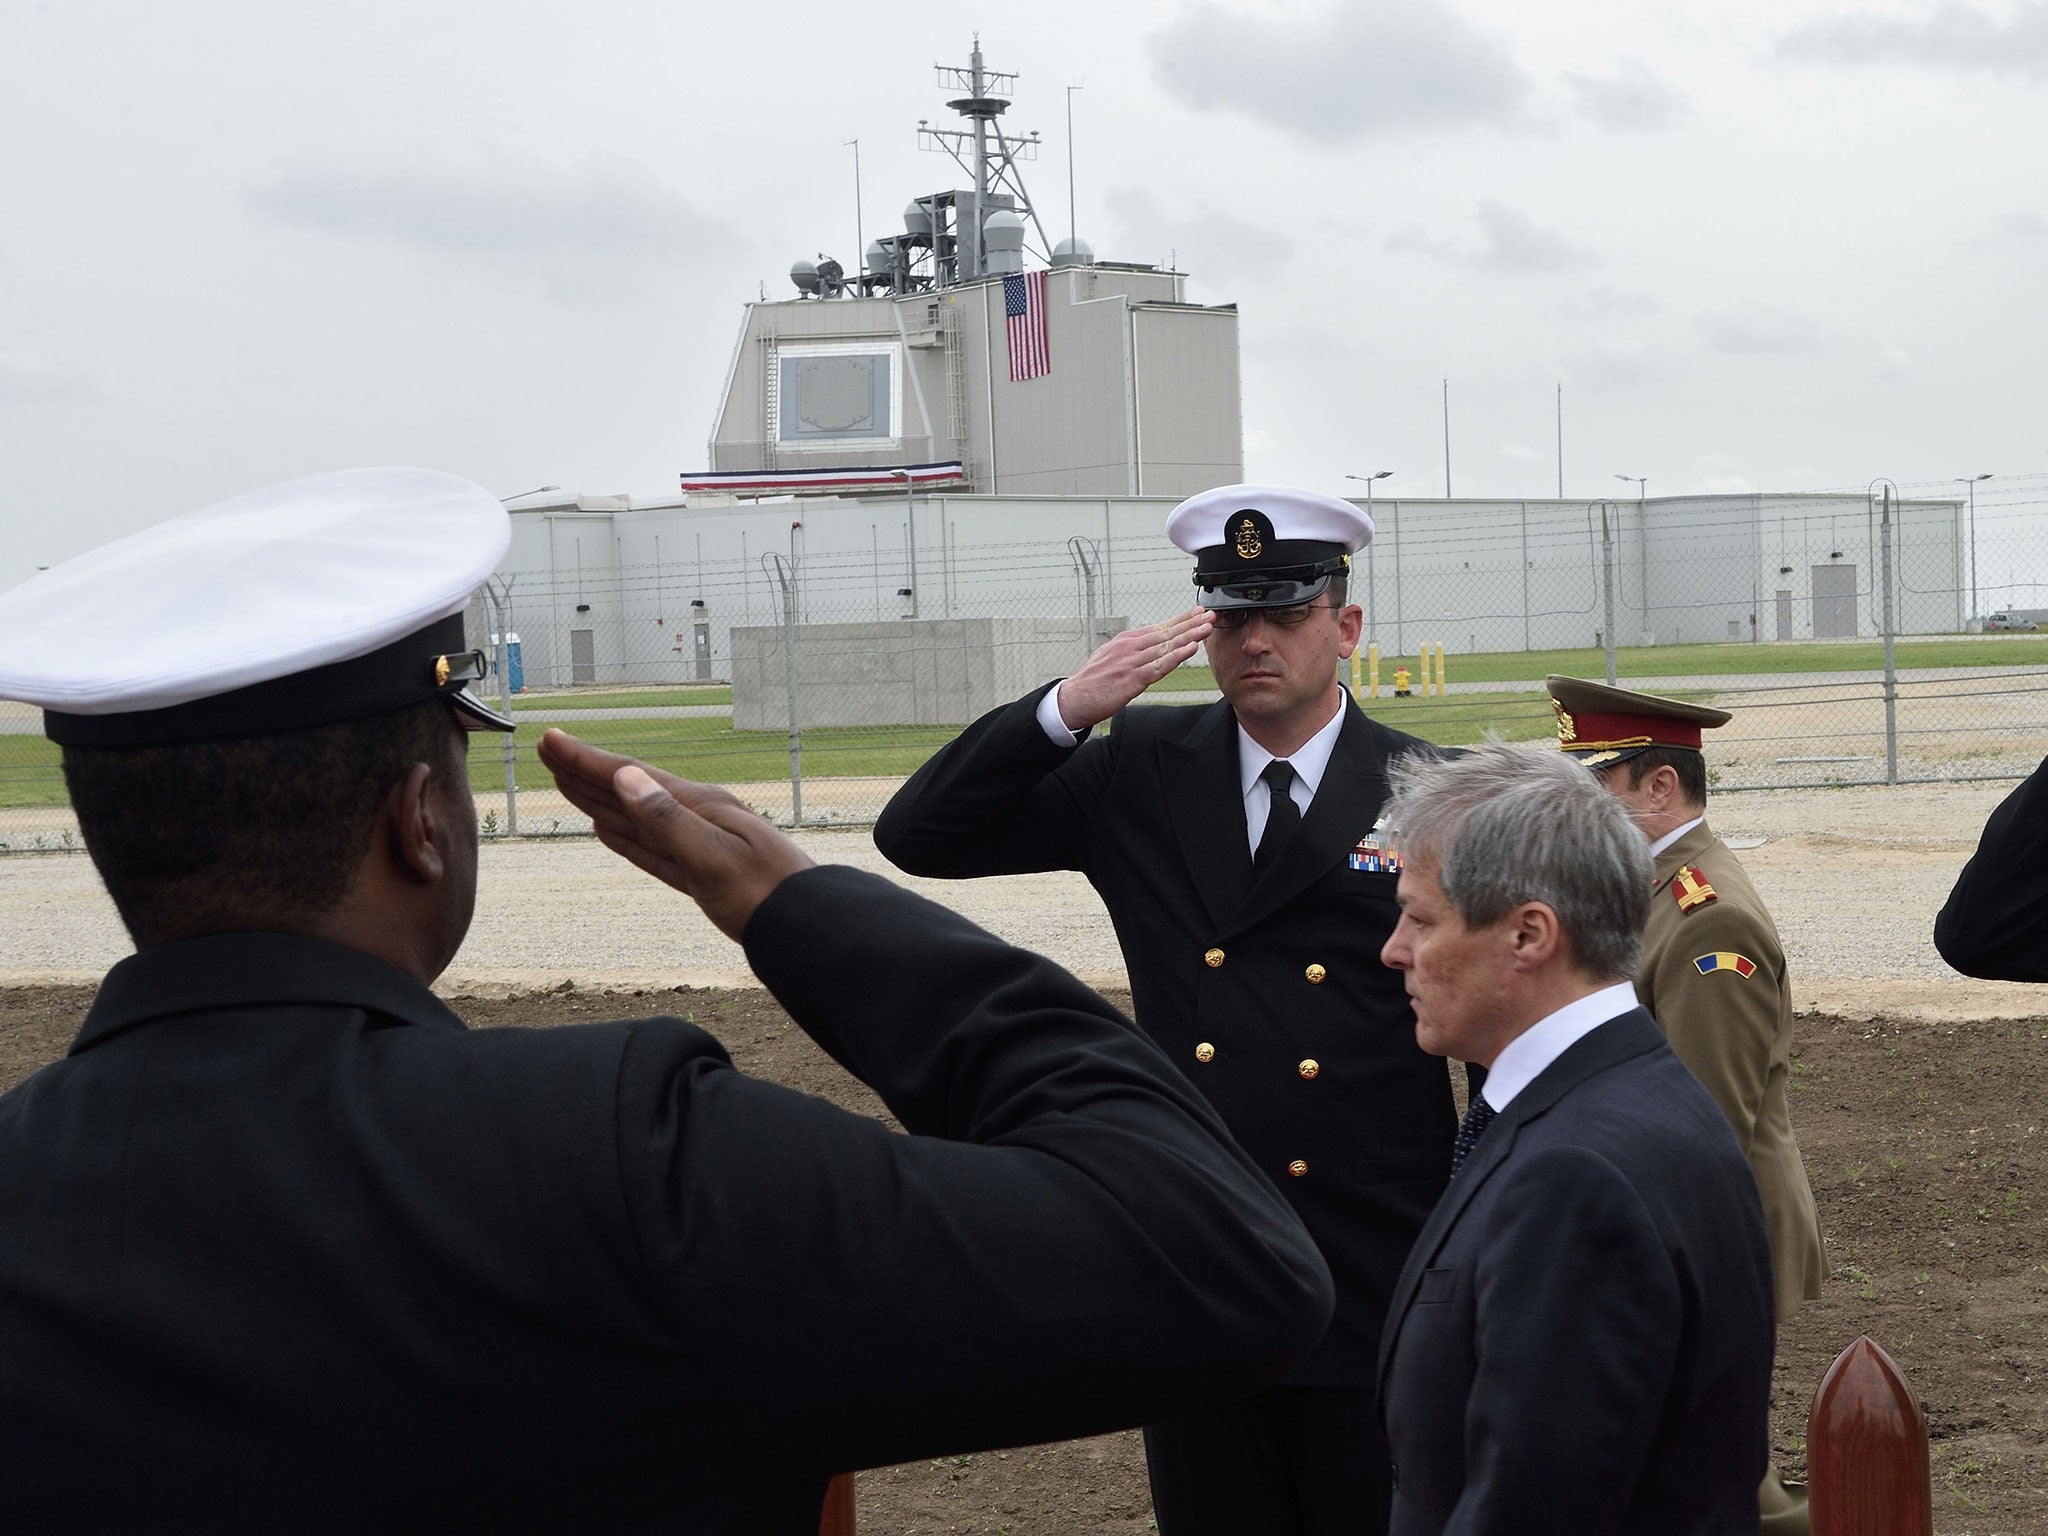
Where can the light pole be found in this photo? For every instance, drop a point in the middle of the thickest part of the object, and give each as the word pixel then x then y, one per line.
pixel 1971 482
pixel 1372 590
pixel 1642 533
pixel 910 525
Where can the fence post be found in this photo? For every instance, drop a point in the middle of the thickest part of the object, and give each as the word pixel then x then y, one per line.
pixel 501 645
pixel 1866 1450
pixel 1607 584
pixel 1891 675
pixel 837 1519
pixel 785 574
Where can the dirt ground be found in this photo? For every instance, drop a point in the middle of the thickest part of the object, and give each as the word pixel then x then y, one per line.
pixel 1924 1143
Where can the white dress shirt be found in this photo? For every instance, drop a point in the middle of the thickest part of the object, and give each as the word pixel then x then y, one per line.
pixel 1310 761
pixel 1523 1059
pixel 1673 836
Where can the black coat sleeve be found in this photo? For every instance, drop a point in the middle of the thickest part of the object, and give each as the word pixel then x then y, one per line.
pixel 1067 1241
pixel 1578 1316
pixel 999 799
pixel 1995 922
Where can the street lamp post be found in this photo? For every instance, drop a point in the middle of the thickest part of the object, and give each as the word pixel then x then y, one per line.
pixel 1643 533
pixel 1971 482
pixel 910 525
pixel 1372 590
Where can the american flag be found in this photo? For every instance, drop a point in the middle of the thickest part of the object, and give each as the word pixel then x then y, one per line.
pixel 1024 315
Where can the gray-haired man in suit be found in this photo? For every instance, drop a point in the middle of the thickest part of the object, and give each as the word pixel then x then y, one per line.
pixel 1581 1338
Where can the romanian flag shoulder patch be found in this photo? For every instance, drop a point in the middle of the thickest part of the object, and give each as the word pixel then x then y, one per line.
pixel 1690 889
pixel 1725 960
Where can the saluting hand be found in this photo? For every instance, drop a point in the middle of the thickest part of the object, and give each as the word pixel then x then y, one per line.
pixel 703 841
pixel 1125 666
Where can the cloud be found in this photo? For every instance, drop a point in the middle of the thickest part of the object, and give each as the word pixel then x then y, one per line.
pixel 1606 303
pixel 1206 242
pixel 1509 242
pixel 1344 72
pixel 28 378
pixel 1611 364
pixel 1631 99
pixel 1947 34
pixel 1755 331
pixel 574 225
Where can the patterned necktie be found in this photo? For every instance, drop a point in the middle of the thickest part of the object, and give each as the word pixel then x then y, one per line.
pixel 1282 815
pixel 1478 1116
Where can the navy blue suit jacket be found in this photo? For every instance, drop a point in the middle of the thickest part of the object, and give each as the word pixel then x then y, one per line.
pixel 1265 987
pixel 1581 1340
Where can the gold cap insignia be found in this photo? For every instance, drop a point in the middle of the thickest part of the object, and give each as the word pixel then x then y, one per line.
pixel 1247 541
pixel 1567 729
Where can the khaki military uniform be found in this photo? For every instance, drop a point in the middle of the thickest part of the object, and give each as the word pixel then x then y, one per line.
pixel 1734 1029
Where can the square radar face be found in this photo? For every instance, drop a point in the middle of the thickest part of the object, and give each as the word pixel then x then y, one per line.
pixel 840 395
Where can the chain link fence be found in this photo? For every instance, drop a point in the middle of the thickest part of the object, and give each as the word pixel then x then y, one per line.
pixel 1847 633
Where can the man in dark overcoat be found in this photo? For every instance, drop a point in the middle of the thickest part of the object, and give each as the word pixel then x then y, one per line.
pixel 1581 1339
pixel 1235 848
pixel 289 1248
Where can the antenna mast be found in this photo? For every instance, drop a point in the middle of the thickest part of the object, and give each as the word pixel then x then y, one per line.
pixel 986 154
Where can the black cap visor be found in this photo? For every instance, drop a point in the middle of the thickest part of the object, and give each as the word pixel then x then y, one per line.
pixel 1271 586
pixel 429 662
pixel 473 714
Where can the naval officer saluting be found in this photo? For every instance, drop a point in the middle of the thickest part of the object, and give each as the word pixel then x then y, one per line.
pixel 1234 847
pixel 289 1248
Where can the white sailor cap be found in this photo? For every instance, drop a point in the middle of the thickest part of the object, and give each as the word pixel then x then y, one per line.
pixel 327 599
pixel 1266 546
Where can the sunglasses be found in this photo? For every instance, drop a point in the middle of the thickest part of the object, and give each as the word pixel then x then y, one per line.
pixel 1285 618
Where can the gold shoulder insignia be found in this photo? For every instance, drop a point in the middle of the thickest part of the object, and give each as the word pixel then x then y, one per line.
pixel 1690 889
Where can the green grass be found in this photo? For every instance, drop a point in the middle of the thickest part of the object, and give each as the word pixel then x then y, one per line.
pixel 1700 660
pixel 628 698
pixel 711 751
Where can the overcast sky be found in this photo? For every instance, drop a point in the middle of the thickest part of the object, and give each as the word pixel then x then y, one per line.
pixel 1775 246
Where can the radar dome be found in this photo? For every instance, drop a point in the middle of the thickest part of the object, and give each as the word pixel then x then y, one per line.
pixel 1073 253
pixel 1002 241
pixel 917 219
pixel 804 274
pixel 877 257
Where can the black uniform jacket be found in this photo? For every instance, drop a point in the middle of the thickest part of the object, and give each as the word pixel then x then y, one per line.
pixel 288 1248
pixel 1995 923
pixel 1581 1341
pixel 1268 992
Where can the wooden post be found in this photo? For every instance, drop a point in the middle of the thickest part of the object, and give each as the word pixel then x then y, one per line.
pixel 1866 1450
pixel 838 1517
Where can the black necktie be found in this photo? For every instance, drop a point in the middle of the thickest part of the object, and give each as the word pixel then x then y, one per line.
pixel 1282 815
pixel 1478 1116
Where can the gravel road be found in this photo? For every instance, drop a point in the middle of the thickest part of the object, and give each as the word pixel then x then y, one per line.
pixel 1854 877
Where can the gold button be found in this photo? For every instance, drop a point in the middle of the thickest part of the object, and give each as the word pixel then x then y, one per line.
pixel 1213 958
pixel 1309 1068
pixel 1205 1052
pixel 1297 1167
pixel 1315 975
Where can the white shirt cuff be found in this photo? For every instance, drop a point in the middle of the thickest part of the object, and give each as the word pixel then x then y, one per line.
pixel 1054 727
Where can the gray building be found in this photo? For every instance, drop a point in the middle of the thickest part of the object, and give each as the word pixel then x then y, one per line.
pixel 620 590
pixel 1141 398
pixel 1086 379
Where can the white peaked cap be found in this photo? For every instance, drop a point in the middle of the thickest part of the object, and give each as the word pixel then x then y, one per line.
pixel 250 591
pixel 1296 514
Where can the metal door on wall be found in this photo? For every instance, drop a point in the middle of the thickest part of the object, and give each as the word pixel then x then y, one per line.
pixel 582 655
pixel 1834 602
pixel 1784 613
